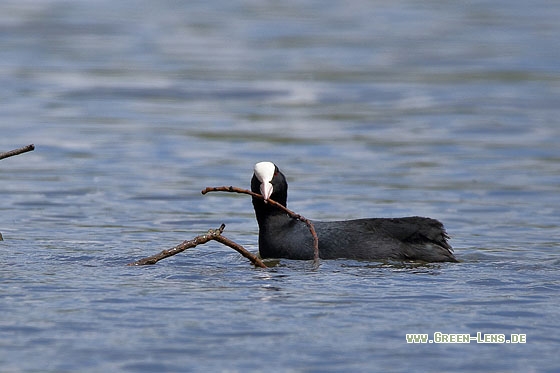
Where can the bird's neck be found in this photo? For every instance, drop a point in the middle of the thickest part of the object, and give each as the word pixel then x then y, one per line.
pixel 264 211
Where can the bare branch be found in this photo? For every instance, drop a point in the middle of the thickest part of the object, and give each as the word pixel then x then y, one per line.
pixel 292 214
pixel 216 234
pixel 212 234
pixel 11 153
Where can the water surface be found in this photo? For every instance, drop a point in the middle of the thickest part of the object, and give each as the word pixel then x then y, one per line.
pixel 371 109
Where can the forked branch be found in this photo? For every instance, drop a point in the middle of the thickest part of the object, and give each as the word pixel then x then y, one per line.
pixel 212 234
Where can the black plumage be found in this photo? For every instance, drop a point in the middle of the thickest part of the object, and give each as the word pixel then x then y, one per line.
pixel 280 236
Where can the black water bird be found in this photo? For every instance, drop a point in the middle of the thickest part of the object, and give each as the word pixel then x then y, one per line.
pixel 280 236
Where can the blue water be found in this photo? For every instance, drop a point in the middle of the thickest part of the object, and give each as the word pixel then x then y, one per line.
pixel 371 109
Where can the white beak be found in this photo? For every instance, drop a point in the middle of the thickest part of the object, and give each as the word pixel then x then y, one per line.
pixel 264 171
pixel 266 190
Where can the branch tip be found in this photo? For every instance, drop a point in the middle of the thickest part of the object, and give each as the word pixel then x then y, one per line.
pixel 11 153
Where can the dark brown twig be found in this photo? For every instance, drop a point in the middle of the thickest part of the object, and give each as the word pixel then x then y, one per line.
pixel 11 153
pixel 241 250
pixel 292 214
pixel 212 234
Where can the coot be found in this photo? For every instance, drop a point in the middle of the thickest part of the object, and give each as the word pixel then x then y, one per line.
pixel 280 236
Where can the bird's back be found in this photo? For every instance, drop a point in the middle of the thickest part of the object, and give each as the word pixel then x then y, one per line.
pixel 410 238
